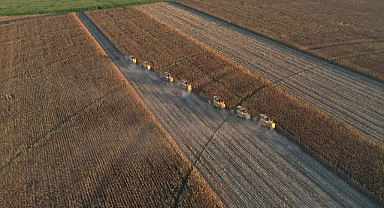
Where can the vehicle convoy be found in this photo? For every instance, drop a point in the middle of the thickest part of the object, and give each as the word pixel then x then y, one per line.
pixel 218 102
pixel 242 113
pixel 266 121
pixel 145 65
pixel 132 58
pixel 167 76
pixel 186 85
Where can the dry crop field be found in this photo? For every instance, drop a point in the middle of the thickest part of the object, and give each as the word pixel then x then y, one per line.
pixel 349 33
pixel 167 50
pixel 331 88
pixel 337 144
pixel 222 148
pixel 74 133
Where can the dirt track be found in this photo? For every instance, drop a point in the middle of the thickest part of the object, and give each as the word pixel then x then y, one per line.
pixel 244 163
pixel 347 96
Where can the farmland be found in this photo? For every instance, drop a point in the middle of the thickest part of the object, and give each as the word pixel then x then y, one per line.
pixel 356 149
pixel 74 133
pixel 328 87
pixel 349 33
pixel 168 51
pixel 247 165
pixel 77 134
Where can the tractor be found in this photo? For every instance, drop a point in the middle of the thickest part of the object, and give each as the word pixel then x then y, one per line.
pixel 266 121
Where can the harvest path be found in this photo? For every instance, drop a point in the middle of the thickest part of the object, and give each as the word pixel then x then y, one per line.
pixel 346 96
pixel 244 163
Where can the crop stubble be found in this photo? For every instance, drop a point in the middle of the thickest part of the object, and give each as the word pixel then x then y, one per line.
pixel 358 150
pixel 347 32
pixel 74 132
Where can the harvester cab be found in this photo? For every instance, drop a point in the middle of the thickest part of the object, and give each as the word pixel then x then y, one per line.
pixel 242 113
pixel 266 121
pixel 167 76
pixel 132 58
pixel 186 85
pixel 218 102
pixel 146 65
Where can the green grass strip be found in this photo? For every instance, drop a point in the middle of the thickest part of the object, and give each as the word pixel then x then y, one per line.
pixel 28 7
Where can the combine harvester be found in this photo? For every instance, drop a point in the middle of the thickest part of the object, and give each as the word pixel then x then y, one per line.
pixel 145 65
pixel 186 85
pixel 167 77
pixel 217 102
pixel 132 59
pixel 266 121
pixel 242 113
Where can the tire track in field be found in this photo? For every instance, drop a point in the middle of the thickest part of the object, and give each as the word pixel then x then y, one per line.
pixel 345 95
pixel 246 165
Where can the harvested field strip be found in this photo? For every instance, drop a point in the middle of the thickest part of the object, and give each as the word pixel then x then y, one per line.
pixel 350 28
pixel 75 133
pixel 370 105
pixel 213 88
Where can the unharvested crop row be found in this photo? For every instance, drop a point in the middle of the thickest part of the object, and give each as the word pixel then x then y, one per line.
pixel 75 133
pixel 229 82
pixel 40 46
pixel 28 111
